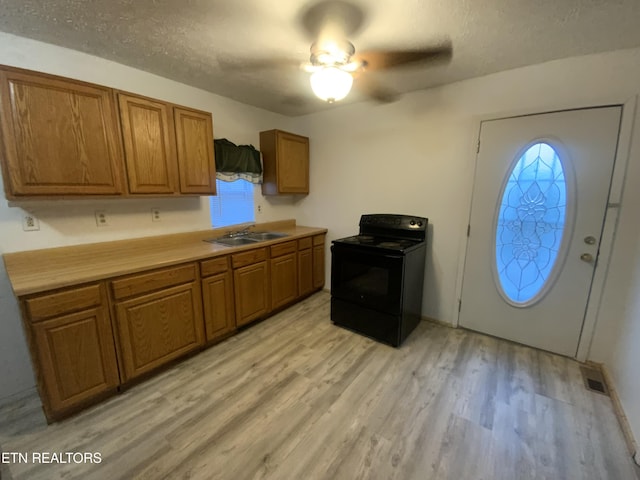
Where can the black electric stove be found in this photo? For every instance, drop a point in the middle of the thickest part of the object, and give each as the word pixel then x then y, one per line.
pixel 377 277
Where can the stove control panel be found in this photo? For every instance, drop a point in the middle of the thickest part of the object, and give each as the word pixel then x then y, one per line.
pixel 393 222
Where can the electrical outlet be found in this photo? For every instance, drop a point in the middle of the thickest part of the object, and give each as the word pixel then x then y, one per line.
pixel 30 222
pixel 155 215
pixel 259 208
pixel 101 218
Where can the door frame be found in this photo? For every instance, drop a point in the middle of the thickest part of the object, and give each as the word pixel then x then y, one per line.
pixel 620 166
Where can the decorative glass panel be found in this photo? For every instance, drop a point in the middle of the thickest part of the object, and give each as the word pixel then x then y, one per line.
pixel 531 223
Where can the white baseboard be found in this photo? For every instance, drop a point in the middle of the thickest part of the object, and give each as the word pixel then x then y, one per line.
pixel 629 438
pixel 438 322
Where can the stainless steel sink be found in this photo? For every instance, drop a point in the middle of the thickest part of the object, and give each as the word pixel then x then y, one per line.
pixel 262 236
pixel 247 238
pixel 233 241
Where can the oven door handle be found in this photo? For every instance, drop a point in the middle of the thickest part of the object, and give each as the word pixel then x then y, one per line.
pixel 357 251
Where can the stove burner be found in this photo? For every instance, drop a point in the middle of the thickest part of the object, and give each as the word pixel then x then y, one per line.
pixel 372 241
pixel 389 244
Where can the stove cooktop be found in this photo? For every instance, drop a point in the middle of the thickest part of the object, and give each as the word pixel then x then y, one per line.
pixel 386 243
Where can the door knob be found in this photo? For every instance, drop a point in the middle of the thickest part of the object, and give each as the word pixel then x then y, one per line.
pixel 586 257
pixel 590 240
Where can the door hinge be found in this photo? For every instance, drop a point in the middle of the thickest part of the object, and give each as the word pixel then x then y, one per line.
pixel 459 305
pixel 468 230
pixel 478 149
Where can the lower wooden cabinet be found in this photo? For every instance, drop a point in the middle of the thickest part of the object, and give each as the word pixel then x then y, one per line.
pixel 217 298
pixel 73 353
pixel 305 271
pixel 87 340
pixel 318 262
pixel 155 328
pixel 219 311
pixel 251 288
pixel 284 280
pixel 284 273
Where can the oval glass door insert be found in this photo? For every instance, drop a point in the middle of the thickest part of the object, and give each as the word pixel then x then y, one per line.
pixel 530 225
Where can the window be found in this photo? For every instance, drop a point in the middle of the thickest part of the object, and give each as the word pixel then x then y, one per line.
pixel 530 225
pixel 233 203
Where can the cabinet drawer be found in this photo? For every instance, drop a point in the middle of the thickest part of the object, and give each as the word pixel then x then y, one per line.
pixel 148 282
pixel 305 243
pixel 247 258
pixel 283 249
pixel 318 240
pixel 60 303
pixel 214 266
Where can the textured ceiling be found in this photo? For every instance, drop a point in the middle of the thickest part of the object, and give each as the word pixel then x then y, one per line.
pixel 202 42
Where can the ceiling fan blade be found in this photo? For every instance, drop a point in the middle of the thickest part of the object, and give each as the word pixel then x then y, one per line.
pixel 368 86
pixel 334 19
pixel 386 59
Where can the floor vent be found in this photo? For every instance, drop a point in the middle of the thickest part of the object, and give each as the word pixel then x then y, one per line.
pixel 593 380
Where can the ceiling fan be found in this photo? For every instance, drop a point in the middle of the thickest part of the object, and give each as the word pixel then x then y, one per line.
pixel 334 63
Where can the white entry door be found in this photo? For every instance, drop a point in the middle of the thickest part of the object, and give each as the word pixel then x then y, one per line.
pixel 539 199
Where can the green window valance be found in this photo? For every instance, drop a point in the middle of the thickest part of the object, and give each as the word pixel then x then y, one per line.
pixel 237 161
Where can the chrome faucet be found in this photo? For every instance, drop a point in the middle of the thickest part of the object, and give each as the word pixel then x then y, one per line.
pixel 241 232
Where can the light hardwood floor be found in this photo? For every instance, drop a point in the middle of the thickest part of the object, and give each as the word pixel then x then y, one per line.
pixel 295 397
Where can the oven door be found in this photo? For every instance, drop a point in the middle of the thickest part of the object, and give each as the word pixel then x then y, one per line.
pixel 370 279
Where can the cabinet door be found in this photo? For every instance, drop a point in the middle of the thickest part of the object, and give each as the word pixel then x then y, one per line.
pixel 149 145
pixel 196 164
pixel 217 297
pixel 250 285
pixel 156 328
pixel 286 162
pixel 318 266
pixel 284 280
pixel 293 163
pixel 305 272
pixel 60 137
pixel 76 358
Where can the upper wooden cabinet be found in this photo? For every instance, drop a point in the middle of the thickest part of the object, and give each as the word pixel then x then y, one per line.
pixel 60 136
pixel 168 149
pixel 149 144
pixel 63 137
pixel 286 162
pixel 196 162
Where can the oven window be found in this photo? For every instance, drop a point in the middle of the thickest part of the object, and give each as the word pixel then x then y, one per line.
pixel 365 279
pixel 371 280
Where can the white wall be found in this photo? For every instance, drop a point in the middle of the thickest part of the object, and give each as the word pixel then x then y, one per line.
pixel 620 310
pixel 73 222
pixel 417 156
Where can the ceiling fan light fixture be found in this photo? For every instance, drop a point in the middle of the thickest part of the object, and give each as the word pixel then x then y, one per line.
pixel 331 84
